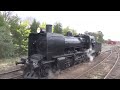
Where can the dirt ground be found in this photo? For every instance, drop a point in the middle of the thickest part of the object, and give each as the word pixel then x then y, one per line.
pixel 6 66
pixel 77 70
pixel 106 47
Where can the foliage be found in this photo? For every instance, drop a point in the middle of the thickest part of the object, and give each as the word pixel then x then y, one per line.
pixel 43 25
pixel 57 28
pixel 73 32
pixel 67 29
pixel 22 38
pixel 6 44
pixel 98 35
pixel 13 35
pixel 34 26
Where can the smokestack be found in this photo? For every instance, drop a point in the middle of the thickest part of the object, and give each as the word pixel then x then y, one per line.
pixel 49 28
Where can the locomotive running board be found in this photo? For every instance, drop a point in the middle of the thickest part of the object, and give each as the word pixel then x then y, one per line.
pixel 65 55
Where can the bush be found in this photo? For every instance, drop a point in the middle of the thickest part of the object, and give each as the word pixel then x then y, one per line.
pixel 6 44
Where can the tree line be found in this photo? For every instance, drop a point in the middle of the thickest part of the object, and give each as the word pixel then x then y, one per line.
pixel 14 33
pixel 98 36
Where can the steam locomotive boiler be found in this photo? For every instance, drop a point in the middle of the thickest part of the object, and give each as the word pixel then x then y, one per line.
pixel 51 51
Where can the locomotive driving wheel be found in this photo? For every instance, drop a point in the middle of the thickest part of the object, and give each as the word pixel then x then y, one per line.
pixel 54 68
pixel 44 71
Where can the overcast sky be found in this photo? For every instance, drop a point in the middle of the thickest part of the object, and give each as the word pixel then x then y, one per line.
pixel 106 21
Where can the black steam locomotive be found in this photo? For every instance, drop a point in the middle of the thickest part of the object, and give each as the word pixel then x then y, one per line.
pixel 52 51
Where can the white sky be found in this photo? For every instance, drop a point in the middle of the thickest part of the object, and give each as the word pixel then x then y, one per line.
pixel 106 21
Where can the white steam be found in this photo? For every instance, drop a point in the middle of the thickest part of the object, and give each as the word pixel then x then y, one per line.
pixel 51 74
pixel 90 53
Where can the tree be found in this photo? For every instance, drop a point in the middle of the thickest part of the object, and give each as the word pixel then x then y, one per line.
pixel 7 15
pixel 43 25
pixel 2 22
pixel 14 26
pixel 6 44
pixel 92 34
pixel 67 29
pixel 34 26
pixel 58 28
pixel 11 22
pixel 22 38
pixel 13 35
pixel 100 37
pixel 73 32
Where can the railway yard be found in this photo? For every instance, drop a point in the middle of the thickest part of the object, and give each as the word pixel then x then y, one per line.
pixel 104 66
pixel 59 45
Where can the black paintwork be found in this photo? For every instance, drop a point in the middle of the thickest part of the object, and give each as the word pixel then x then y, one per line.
pixel 53 44
pixel 56 51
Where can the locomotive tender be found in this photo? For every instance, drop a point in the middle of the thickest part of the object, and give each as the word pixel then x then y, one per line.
pixel 52 51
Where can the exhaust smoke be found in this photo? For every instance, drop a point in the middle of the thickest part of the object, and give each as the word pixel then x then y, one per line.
pixel 50 74
pixel 90 53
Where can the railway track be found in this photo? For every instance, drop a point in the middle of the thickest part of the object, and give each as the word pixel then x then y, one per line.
pixel 112 67
pixel 17 73
pixel 100 69
pixel 114 73
pixel 82 67
pixel 14 74
pixel 100 54
pixel 17 77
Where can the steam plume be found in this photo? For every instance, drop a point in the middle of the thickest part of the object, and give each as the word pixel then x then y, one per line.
pixel 90 53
